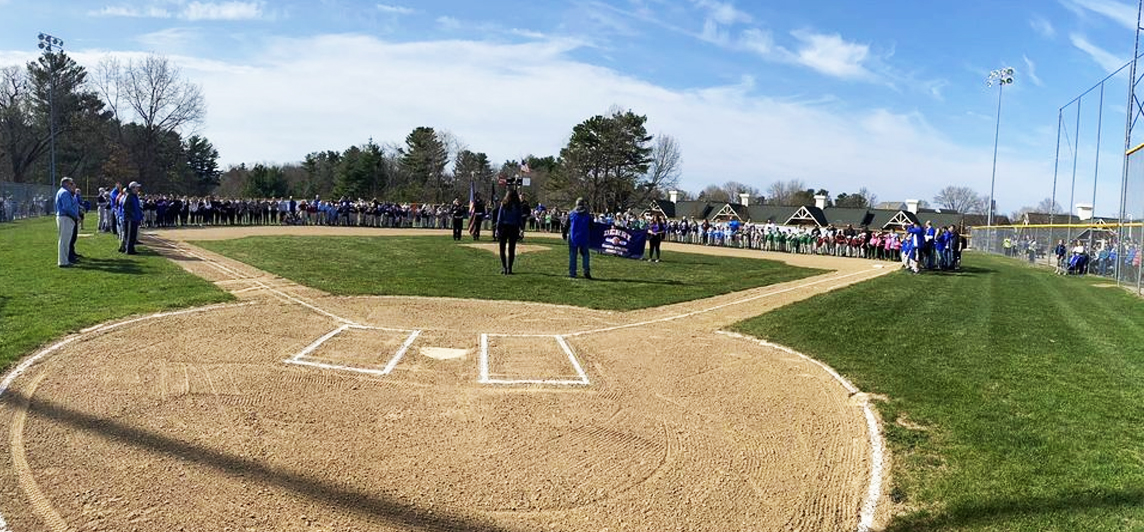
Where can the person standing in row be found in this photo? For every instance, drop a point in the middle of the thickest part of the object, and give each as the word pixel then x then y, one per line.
pixel 67 216
pixel 458 212
pixel 655 232
pixel 132 217
pixel 579 231
pixel 476 216
pixel 508 229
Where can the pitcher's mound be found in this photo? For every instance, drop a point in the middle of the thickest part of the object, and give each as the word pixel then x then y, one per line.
pixel 494 247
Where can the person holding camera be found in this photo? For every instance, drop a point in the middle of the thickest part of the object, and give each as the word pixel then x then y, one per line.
pixel 508 229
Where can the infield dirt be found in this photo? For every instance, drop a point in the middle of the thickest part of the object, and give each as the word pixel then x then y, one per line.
pixel 195 422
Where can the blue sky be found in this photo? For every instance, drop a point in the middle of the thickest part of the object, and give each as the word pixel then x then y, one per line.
pixel 884 94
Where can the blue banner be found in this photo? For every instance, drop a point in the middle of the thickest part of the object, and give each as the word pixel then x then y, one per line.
pixel 618 241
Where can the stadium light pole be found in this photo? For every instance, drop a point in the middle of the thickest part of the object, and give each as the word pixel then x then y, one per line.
pixel 49 44
pixel 1001 78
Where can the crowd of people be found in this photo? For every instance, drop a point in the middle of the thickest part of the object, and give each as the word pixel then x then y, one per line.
pixel 123 210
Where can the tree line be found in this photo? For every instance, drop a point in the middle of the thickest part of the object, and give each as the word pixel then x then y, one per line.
pixel 120 122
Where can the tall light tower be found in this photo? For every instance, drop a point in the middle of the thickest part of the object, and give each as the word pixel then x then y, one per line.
pixel 50 44
pixel 1001 78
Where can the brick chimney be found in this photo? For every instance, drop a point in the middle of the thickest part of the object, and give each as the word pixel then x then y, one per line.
pixel 673 195
pixel 744 198
pixel 820 201
pixel 912 205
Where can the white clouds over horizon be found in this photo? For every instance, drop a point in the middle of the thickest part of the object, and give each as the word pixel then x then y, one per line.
pixel 1107 60
pixel 509 100
pixel 193 11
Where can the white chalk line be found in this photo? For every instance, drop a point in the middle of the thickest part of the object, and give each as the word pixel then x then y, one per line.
pixel 722 305
pixel 484 366
pixel 300 357
pixel 243 277
pixel 32 360
pixel 877 451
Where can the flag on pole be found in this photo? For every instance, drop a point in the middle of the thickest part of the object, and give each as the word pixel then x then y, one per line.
pixel 524 169
pixel 472 199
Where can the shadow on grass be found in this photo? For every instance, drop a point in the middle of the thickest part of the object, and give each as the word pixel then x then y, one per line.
pixel 598 279
pixel 996 513
pixel 373 507
pixel 125 266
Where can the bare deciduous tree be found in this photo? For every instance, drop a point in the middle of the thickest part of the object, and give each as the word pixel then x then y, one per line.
pixel 783 192
pixel 1048 206
pixel 159 96
pixel 961 199
pixel 666 158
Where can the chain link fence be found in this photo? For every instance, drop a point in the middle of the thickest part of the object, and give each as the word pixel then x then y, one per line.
pixel 25 200
pixel 1106 249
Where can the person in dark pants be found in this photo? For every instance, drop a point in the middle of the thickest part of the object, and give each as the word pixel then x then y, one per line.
pixel 655 232
pixel 132 217
pixel 508 229
pixel 579 230
pixel 458 212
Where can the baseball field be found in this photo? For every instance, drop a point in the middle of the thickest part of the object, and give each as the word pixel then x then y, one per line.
pixel 349 379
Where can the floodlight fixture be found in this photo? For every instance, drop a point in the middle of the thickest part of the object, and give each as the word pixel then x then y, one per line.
pixel 1000 77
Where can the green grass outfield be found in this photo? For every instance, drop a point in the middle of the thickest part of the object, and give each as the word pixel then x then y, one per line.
pixel 40 302
pixel 1015 396
pixel 437 266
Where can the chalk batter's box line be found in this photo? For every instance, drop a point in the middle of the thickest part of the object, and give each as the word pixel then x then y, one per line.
pixel 300 358
pixel 485 378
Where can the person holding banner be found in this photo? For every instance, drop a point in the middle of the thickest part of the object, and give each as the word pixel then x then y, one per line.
pixel 579 230
pixel 476 214
pixel 508 229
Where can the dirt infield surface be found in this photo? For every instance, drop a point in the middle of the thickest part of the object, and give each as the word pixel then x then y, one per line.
pixel 296 410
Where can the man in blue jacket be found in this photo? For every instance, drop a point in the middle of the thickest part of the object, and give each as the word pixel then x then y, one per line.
pixel 579 230
pixel 132 217
pixel 67 216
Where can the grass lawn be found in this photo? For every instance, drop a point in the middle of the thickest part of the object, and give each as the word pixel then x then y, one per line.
pixel 1015 396
pixel 437 266
pixel 40 302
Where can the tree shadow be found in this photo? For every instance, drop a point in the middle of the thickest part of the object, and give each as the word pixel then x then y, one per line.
pixel 998 512
pixel 372 507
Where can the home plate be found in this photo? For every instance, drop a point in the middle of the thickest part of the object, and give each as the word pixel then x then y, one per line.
pixel 444 353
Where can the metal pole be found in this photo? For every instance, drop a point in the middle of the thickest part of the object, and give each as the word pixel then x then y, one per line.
pixel 993 179
pixel 1128 131
pixel 1096 166
pixel 1076 156
pixel 1056 165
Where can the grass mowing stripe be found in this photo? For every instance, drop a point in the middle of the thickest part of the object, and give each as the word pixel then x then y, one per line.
pixel 438 266
pixel 1015 396
pixel 39 301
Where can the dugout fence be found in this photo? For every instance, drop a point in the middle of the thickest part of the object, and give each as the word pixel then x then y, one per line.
pixel 24 200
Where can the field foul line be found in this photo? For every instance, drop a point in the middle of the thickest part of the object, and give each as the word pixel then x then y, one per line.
pixel 260 284
pixel 484 365
pixel 722 305
pixel 877 450
pixel 32 360
pixel 298 359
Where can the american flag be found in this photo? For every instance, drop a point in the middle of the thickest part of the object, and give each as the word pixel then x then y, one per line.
pixel 472 199
pixel 524 169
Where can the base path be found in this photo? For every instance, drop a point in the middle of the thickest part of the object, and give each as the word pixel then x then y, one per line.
pixel 296 410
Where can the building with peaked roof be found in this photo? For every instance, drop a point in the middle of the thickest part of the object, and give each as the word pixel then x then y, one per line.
pixel 817 215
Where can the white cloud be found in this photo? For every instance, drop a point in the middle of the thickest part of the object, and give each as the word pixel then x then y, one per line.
pixel 832 55
pixel 188 11
pixel 1104 58
pixel 1031 70
pixel 448 23
pixel 722 12
pixel 395 10
pixel 169 40
pixel 1123 14
pixel 525 98
pixel 222 11
pixel 131 12
pixel 1043 27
